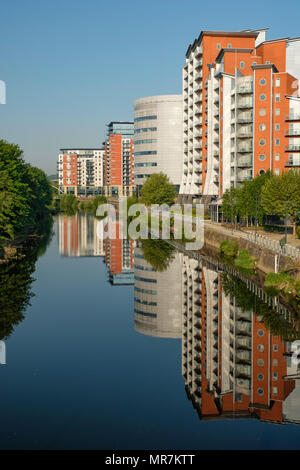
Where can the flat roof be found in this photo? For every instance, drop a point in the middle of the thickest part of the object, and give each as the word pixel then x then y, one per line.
pixel 238 50
pixel 247 34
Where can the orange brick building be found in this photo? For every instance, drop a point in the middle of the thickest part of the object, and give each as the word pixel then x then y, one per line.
pixel 241 110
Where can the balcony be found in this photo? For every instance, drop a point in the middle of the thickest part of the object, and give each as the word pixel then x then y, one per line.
pixel 292 148
pixel 198 168
pixel 198 76
pixel 244 134
pixel 198 179
pixel 199 63
pixel 242 90
pixel 292 163
pixel 245 104
pixel 198 88
pixel 198 110
pixel 244 148
pixel 244 162
pixel 216 154
pixel 245 119
pixel 292 133
pixel 244 176
pixel 292 117
pixel 198 157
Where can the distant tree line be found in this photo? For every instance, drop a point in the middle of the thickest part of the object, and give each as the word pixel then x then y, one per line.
pixel 25 193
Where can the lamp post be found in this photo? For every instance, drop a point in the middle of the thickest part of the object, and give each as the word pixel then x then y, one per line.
pixel 285 223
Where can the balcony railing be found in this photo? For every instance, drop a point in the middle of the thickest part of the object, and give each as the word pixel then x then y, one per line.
pixel 245 119
pixel 292 163
pixel 244 148
pixel 293 132
pixel 244 162
pixel 245 104
pixel 244 90
pixel 292 148
pixel 292 117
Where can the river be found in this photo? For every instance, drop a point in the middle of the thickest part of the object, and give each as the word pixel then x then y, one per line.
pixel 128 345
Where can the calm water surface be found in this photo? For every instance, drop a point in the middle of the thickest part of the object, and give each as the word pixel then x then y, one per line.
pixel 139 347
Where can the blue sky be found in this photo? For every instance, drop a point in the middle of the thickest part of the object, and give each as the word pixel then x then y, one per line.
pixel 72 66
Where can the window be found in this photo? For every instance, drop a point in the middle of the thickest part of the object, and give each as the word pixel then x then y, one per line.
pixel 229 46
pixel 275 347
pixel 260 362
pixel 277 97
pixel 262 142
pixel 262 97
pixel 262 127
pixel 260 347
pixel 262 172
pixel 150 152
pixel 277 141
pixel 262 112
pixel 218 46
pixel 275 390
pixel 260 377
pixel 277 112
pixel 277 127
pixel 144 118
pixel 275 376
pixel 260 391
pixel 253 63
pixel 277 156
pixel 275 362
pixel 242 64
pixel 268 62
pixel 263 81
pixel 145 141
pixel 138 165
pixel 276 172
pixel 277 82
pixel 260 332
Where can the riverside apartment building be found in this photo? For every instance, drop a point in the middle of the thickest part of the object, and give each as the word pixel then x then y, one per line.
pixel 241 111
pixel 118 172
pixel 81 171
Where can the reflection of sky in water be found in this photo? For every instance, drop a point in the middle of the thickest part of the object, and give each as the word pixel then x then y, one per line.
pixel 78 375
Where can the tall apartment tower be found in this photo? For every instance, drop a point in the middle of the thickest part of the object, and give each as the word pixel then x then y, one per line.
pixel 118 172
pixel 81 171
pixel 241 110
pixel 158 138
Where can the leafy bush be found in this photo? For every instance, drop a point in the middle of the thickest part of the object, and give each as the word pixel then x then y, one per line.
pixel 245 261
pixel 229 249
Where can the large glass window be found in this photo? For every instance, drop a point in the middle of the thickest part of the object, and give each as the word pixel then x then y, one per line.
pixel 150 152
pixel 144 118
pixel 145 129
pixel 137 165
pixel 145 141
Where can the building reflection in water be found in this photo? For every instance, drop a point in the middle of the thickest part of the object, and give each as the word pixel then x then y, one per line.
pixel 119 257
pixel 84 235
pixel 233 367
pixel 232 364
pixel 157 297
pixel 77 235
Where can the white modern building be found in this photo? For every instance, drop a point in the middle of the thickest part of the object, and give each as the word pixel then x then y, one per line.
pixel 158 138
pixel 157 297
pixel 81 170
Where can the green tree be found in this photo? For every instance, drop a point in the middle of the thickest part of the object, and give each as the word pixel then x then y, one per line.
pixel 24 193
pixel 281 195
pixel 158 190
pixel 158 253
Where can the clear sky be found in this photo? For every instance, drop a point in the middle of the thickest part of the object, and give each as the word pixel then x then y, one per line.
pixel 72 66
